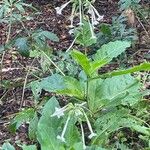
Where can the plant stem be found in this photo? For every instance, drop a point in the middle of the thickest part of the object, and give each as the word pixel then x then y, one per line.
pixel 54 64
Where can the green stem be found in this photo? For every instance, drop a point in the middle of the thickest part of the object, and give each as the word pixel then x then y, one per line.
pixel 53 63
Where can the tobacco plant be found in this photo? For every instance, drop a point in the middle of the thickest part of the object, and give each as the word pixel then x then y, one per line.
pixel 96 106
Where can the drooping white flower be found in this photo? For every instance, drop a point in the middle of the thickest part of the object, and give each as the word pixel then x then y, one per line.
pixel 90 127
pixel 80 13
pixel 78 112
pixel 97 13
pixel 59 111
pixel 92 31
pixel 72 16
pixel 71 31
pixel 61 137
pixel 71 20
pixel 92 135
pixel 83 139
pixel 78 109
pixel 60 9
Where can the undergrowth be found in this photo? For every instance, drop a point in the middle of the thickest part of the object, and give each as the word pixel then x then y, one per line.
pixel 83 109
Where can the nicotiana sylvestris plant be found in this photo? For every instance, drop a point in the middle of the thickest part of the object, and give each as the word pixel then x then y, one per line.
pixel 101 103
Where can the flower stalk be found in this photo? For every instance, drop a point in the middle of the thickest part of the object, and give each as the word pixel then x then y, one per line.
pixel 61 137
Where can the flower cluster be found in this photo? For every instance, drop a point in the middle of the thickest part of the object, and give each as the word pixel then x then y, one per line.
pixel 78 111
pixel 79 8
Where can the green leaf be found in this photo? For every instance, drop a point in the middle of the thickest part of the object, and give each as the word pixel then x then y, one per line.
pixel 7 146
pixel 83 35
pixel 93 95
pixel 49 35
pixel 124 89
pixel 53 83
pixel 36 89
pixel 77 146
pixel 22 45
pixel 63 85
pixel 82 60
pixel 142 129
pixel 29 147
pixel 111 50
pixel 109 121
pixel 72 88
pixel 48 127
pixel 105 29
pixel 33 127
pixel 95 65
pixel 141 67
pixel 2 48
pixel 72 134
pixel 21 117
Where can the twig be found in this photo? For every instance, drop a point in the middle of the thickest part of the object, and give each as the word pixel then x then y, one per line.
pixel 24 85
pixel 54 64
pixel 143 27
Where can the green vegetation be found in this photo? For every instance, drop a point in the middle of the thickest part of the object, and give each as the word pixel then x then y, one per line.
pixel 76 105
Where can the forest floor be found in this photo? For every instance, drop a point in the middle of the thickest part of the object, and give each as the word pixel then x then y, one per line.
pixel 15 67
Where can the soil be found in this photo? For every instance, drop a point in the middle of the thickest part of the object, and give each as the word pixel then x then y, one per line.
pixel 15 66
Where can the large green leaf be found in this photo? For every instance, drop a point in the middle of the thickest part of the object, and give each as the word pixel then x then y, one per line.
pixel 82 60
pixel 123 88
pixel 109 121
pixel 72 134
pixel 7 146
pixel 88 66
pixel 63 85
pixel 33 127
pixel 111 50
pixel 52 83
pixel 93 94
pixel 48 127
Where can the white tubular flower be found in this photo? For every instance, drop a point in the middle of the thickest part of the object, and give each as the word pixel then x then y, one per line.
pixel 71 31
pixel 61 137
pixel 59 111
pixel 93 17
pixel 60 9
pixel 97 13
pixel 78 112
pixel 92 32
pixel 92 135
pixel 83 139
pixel 71 20
pixel 90 128
pixel 72 16
pixel 80 12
